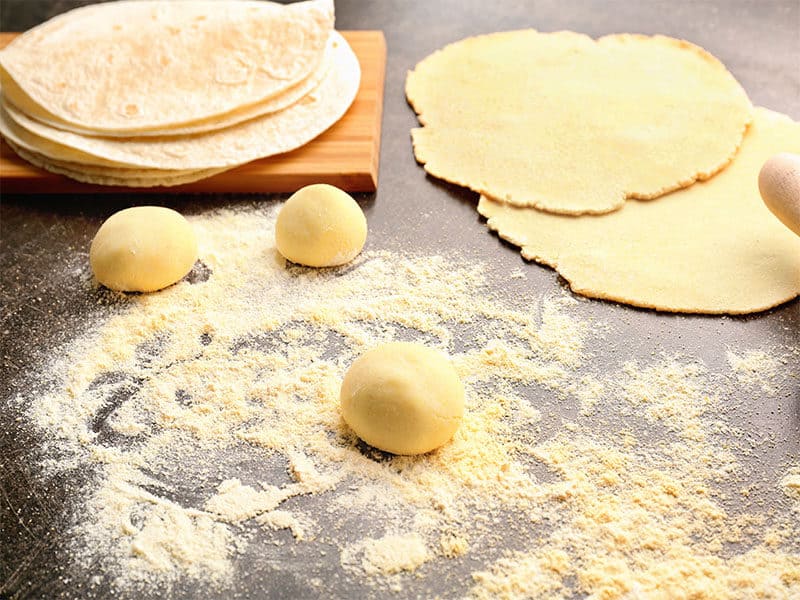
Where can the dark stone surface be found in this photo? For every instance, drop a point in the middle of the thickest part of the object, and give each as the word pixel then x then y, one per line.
pixel 45 243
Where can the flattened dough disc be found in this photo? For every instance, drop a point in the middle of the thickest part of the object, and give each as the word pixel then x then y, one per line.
pixel 570 125
pixel 711 248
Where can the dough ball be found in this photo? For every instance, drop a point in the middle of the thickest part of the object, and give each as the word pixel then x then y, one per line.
pixel 403 398
pixel 320 226
pixel 143 249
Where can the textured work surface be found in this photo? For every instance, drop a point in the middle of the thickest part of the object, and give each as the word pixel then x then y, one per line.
pixel 45 239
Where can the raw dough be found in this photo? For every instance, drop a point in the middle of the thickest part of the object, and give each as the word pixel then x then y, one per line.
pixel 711 248
pixel 571 125
pixel 320 226
pixel 403 398
pixel 143 249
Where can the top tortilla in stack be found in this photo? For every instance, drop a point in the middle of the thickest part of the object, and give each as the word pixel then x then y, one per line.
pixel 128 67
pixel 191 78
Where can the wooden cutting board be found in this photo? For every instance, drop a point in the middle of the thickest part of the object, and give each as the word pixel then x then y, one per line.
pixel 345 156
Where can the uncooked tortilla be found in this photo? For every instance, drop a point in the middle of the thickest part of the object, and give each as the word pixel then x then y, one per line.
pixel 263 136
pixel 570 125
pixel 102 67
pixel 711 248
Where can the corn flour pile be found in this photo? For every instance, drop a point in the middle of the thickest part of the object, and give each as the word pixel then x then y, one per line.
pixel 206 418
pixel 162 93
pixel 629 164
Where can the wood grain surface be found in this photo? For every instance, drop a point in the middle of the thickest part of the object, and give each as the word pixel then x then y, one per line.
pixel 346 155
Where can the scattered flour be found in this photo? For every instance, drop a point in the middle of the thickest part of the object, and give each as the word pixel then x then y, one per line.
pixel 207 417
pixel 235 502
pixel 791 487
pixel 388 555
pixel 755 368
pixel 283 519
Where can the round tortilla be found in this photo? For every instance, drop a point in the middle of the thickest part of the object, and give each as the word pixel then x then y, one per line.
pixel 272 105
pixel 267 135
pixel 20 137
pixel 111 175
pixel 710 248
pixel 102 67
pixel 570 125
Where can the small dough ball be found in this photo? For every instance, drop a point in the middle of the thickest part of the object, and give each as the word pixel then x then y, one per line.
pixel 403 398
pixel 320 226
pixel 143 249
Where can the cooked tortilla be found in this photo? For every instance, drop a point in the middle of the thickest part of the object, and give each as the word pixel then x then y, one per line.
pixel 112 175
pixel 19 137
pixel 123 67
pixel 567 124
pixel 267 135
pixel 272 105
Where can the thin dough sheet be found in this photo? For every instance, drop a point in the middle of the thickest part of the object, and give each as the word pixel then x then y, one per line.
pixel 571 125
pixel 711 248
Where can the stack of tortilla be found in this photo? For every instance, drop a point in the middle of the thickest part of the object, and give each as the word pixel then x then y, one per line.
pixel 144 93
pixel 615 161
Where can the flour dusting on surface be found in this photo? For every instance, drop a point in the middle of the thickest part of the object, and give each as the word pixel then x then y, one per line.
pixel 206 418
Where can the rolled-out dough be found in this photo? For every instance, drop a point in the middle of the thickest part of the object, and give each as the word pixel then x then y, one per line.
pixel 571 125
pixel 710 248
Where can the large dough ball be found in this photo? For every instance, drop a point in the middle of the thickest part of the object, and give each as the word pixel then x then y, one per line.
pixel 143 249
pixel 320 226
pixel 403 398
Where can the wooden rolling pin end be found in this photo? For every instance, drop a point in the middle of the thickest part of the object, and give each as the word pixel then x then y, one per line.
pixel 779 184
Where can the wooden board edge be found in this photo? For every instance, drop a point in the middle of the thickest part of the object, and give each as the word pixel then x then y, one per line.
pixel 380 87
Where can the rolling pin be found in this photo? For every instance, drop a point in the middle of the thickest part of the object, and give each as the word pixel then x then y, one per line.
pixel 779 184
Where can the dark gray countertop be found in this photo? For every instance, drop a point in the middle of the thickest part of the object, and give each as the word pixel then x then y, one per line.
pixel 44 236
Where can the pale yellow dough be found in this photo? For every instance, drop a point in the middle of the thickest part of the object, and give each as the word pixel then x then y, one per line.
pixel 711 248
pixel 143 249
pixel 320 226
pixel 571 125
pixel 403 398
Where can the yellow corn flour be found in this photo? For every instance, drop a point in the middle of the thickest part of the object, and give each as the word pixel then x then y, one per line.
pixel 208 414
